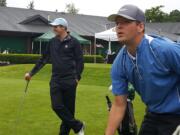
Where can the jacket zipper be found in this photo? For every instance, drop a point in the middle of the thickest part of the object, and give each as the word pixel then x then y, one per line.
pixel 178 93
pixel 140 77
pixel 136 68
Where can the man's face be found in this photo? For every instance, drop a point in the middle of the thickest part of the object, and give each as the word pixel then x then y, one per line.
pixel 127 30
pixel 58 30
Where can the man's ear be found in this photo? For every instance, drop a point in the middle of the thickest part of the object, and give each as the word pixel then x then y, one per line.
pixel 141 27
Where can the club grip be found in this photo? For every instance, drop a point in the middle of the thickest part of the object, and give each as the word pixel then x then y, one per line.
pixel 109 104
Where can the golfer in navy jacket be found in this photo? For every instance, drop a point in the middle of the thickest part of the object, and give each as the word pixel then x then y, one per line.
pixel 152 65
pixel 66 56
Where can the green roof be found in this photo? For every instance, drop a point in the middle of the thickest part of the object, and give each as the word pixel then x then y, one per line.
pixel 49 35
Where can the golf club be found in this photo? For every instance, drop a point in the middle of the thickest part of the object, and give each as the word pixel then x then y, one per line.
pixel 20 109
pixel 128 125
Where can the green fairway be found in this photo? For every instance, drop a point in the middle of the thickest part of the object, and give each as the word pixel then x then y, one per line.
pixel 37 118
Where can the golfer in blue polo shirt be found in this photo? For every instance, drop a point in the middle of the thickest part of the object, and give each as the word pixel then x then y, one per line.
pixel 152 65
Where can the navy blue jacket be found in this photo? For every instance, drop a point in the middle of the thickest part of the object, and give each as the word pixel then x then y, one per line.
pixel 66 57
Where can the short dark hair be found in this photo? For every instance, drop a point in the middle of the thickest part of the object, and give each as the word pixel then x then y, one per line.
pixel 65 28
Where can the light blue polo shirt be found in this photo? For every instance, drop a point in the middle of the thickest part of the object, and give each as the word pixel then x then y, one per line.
pixel 155 74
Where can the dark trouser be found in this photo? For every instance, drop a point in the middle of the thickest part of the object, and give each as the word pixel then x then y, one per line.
pixel 159 124
pixel 63 95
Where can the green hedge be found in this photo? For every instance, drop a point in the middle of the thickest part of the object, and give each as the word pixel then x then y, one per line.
pixel 92 58
pixel 32 58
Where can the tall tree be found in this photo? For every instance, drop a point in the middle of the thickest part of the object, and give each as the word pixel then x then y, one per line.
pixel 31 5
pixel 155 14
pixel 70 8
pixel 175 16
pixel 3 3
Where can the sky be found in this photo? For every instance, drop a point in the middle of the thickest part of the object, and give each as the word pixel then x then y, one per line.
pixel 95 7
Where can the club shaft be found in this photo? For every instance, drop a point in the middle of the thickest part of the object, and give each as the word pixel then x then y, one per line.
pixel 20 109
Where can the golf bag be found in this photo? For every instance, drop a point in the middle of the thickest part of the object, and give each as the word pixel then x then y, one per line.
pixel 128 125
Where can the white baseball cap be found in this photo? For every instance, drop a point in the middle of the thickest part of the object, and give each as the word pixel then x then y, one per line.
pixel 59 21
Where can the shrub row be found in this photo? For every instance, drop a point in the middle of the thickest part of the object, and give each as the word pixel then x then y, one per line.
pixel 32 58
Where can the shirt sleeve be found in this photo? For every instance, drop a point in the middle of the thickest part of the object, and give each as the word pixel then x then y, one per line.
pixel 78 59
pixel 172 55
pixel 119 80
pixel 42 61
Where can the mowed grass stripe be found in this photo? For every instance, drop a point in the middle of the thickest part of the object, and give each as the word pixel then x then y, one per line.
pixel 38 118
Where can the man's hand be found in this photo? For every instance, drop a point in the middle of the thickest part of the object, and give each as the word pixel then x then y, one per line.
pixel 27 77
pixel 77 81
pixel 116 114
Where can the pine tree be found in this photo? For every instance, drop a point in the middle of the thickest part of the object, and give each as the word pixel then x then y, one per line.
pixel 3 3
pixel 31 5
pixel 70 8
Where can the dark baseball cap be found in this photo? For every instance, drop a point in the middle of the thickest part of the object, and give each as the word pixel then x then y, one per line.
pixel 130 12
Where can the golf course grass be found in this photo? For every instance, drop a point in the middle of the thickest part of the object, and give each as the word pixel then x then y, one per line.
pixel 37 118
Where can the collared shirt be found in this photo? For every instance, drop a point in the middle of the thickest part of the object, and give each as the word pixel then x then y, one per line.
pixel 155 74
